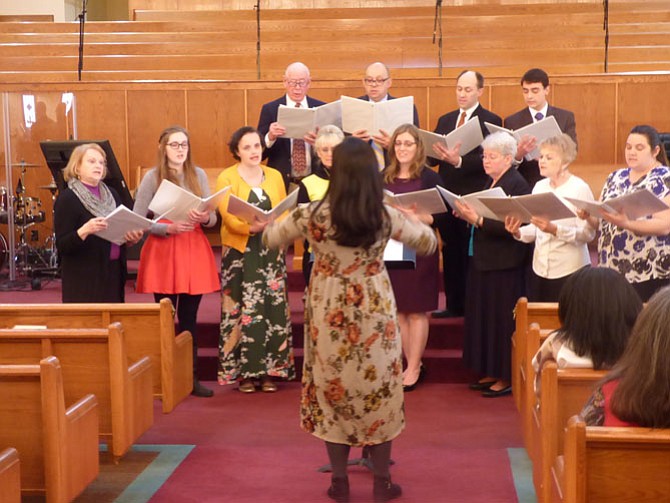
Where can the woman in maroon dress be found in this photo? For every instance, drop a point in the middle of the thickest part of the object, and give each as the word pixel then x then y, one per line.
pixel 415 290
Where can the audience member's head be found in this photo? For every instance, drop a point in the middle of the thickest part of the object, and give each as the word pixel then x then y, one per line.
pixel 469 88
pixel 377 81
pixel 597 309
pixel 327 139
pixel 642 395
pixel 535 86
pixel 296 81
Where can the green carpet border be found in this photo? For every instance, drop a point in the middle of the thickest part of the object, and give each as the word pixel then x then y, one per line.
pixel 522 473
pixel 153 476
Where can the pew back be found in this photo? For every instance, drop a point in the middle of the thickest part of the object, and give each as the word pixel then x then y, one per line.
pixel 10 476
pixel 92 361
pixel 58 446
pixel 149 331
pixel 605 464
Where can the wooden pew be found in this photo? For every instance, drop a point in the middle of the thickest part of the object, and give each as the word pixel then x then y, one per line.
pixel 149 331
pixel 563 393
pixel 605 464
pixel 10 476
pixel 93 360
pixel 525 313
pixel 58 445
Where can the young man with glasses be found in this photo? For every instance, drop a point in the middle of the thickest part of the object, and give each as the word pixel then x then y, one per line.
pixel 291 157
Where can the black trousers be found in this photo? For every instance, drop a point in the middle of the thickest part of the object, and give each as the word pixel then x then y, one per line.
pixel 455 234
pixel 187 313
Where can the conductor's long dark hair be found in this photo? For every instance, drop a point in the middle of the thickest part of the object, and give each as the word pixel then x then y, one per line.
pixel 355 195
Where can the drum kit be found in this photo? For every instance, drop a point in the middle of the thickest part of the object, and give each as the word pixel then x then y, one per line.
pixel 24 211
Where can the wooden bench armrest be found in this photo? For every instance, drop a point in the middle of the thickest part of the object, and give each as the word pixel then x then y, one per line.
pixel 10 475
pixel 179 371
pixel 81 407
pixel 141 394
pixel 140 367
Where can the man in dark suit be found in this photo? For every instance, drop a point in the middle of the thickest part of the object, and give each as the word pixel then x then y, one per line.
pixel 377 82
pixel 461 175
pixel 535 85
pixel 292 157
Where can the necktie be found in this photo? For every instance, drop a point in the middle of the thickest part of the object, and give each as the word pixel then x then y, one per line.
pixel 461 120
pixel 539 116
pixel 379 154
pixel 298 160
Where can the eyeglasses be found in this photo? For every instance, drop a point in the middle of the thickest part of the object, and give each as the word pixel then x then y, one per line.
pixel 297 83
pixel 375 82
pixel 406 144
pixel 175 145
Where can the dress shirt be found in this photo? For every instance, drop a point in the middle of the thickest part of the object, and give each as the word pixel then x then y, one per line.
pixel 543 111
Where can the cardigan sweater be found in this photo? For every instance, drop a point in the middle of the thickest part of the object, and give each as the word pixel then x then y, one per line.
pixel 234 230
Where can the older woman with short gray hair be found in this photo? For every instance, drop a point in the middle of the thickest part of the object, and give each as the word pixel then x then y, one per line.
pixel 495 275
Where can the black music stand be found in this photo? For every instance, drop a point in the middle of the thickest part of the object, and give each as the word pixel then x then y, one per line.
pixel 57 154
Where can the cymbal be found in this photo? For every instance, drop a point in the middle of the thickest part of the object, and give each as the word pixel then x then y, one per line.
pixel 51 186
pixel 25 165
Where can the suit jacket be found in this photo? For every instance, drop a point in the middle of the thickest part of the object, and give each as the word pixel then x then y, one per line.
pixel 470 177
pixel 566 121
pixel 495 249
pixel 279 155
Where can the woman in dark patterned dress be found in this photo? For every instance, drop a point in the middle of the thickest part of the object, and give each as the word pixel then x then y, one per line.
pixel 255 341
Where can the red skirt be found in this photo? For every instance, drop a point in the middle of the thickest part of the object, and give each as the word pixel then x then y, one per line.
pixel 179 263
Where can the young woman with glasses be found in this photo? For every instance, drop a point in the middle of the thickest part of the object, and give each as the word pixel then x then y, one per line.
pixel 177 260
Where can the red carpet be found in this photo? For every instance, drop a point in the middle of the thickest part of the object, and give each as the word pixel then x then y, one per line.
pixel 250 449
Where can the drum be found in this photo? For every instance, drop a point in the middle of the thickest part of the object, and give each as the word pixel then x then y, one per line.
pixel 4 251
pixel 3 199
pixel 28 211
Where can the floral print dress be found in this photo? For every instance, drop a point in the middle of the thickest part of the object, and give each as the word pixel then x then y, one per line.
pixel 255 332
pixel 638 258
pixel 352 375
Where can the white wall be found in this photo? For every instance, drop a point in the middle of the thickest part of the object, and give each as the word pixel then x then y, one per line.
pixel 55 7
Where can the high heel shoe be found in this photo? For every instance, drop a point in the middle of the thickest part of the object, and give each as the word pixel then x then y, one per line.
pixel 385 490
pixel 422 375
pixel 339 489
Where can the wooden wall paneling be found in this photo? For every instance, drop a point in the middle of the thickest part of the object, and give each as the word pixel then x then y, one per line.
pixel 256 98
pixel 102 116
pixel 442 99
pixel 213 115
pixel 647 103
pixel 506 99
pixel 594 106
pixel 149 112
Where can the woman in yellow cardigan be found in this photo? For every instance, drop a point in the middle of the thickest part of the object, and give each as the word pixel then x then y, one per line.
pixel 255 340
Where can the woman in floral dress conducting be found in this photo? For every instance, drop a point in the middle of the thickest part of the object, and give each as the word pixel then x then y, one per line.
pixel 352 378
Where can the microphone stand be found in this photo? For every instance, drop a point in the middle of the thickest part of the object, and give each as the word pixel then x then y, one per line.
pixel 437 30
pixel 82 20
pixel 257 7
pixel 606 27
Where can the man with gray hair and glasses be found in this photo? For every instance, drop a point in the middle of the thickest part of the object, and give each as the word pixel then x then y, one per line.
pixel 291 157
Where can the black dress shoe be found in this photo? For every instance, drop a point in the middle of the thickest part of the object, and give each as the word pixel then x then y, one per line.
pixel 494 394
pixel 446 313
pixel 481 386
pixel 422 376
pixel 200 390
